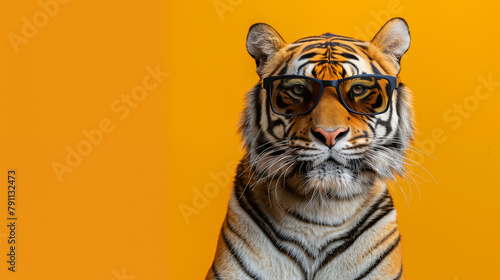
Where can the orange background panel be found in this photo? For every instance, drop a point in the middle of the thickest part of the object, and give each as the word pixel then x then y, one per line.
pixel 120 116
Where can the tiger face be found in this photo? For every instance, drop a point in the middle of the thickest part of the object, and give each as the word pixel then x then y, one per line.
pixel 320 120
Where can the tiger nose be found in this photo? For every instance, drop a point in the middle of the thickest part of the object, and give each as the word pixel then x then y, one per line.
pixel 330 136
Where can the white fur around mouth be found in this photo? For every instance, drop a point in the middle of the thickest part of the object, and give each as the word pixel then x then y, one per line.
pixel 329 169
pixel 331 176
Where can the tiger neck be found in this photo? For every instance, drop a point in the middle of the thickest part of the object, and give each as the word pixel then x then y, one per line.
pixel 281 199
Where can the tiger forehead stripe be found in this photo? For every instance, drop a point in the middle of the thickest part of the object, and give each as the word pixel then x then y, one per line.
pixel 339 48
pixel 331 55
pixel 346 42
pixel 336 46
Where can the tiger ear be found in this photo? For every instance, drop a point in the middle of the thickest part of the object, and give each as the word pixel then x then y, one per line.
pixel 393 38
pixel 263 42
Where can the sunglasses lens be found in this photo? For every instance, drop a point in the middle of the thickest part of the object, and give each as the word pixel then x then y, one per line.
pixel 366 95
pixel 291 96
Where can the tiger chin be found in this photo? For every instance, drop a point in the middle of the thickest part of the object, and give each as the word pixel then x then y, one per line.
pixel 327 124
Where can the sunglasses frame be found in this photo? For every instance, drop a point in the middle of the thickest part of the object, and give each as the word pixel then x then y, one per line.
pixel 267 83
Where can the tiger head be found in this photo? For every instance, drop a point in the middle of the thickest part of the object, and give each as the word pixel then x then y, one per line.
pixel 338 130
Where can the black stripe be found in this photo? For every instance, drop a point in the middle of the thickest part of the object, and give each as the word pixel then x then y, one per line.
pixel 290 127
pixel 310 221
pixel 216 273
pixel 262 144
pixel 257 107
pixel 339 250
pixel 277 152
pixel 281 66
pixel 397 144
pixel 285 68
pixel 382 68
pixel 374 68
pixel 347 55
pixel 399 274
pixel 265 223
pixel 334 45
pixel 291 48
pixel 365 135
pixel 294 136
pixel 237 257
pixel 308 55
pixel 355 232
pixel 380 259
pixel 310 39
pixel 233 230
pixel 313 73
pixel 385 238
pixel 270 123
pixel 357 146
pixel 386 124
pixel 353 66
pixel 334 196
pixel 303 65
pixel 345 47
pixel 361 45
pixel 259 219
pixel 378 102
pixel 372 128
pixel 275 70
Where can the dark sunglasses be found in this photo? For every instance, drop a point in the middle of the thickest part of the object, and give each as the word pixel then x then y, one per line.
pixel 293 95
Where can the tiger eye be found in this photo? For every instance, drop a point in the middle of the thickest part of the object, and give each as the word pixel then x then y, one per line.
pixel 299 89
pixel 358 89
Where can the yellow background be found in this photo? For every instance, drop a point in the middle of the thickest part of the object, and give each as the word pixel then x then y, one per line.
pixel 117 214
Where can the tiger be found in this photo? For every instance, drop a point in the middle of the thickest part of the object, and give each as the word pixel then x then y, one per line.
pixel 326 127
